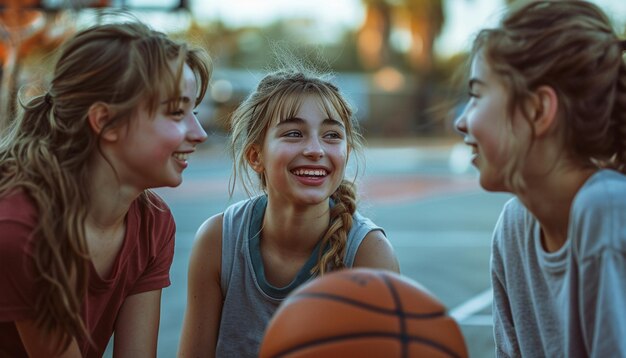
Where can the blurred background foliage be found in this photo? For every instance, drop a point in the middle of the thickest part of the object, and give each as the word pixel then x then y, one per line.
pixel 387 61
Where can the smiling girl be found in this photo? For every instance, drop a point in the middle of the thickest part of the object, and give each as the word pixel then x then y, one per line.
pixel 296 133
pixel 547 122
pixel 85 247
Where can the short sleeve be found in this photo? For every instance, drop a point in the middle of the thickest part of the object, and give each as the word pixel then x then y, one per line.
pixel 603 293
pixel 601 253
pixel 17 278
pixel 161 235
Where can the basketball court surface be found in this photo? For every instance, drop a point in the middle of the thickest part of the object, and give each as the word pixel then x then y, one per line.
pixel 435 215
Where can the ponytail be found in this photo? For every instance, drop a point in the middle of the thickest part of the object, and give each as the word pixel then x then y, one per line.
pixel 46 151
pixel 337 234
pixel 29 157
pixel 619 116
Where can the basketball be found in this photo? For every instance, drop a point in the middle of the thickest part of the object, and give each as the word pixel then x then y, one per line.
pixel 362 313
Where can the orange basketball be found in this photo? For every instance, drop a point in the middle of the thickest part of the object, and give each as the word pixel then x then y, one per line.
pixel 362 313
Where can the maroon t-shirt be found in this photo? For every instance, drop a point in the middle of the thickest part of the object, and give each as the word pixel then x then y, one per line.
pixel 142 265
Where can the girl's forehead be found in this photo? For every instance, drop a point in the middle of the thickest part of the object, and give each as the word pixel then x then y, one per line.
pixel 482 73
pixel 479 66
pixel 295 104
pixel 188 80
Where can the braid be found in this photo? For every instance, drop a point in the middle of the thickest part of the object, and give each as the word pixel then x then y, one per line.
pixel 278 96
pixel 619 116
pixel 337 233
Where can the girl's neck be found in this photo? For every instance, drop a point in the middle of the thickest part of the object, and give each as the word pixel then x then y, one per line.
pixel 109 199
pixel 296 229
pixel 550 198
pixel 105 225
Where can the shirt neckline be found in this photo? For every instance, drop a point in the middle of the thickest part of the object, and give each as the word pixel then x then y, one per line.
pixel 254 246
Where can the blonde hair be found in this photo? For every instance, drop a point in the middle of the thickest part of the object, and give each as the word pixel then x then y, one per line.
pixel 571 47
pixel 47 149
pixel 277 96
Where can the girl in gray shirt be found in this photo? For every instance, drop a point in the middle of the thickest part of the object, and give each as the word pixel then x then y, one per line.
pixel 295 132
pixel 547 122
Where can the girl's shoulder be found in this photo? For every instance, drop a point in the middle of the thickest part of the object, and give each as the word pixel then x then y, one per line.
pixel 604 190
pixel 599 213
pixel 244 206
pixel 18 207
pixel 150 210
pixel 514 213
pixel 363 223
pixel 515 221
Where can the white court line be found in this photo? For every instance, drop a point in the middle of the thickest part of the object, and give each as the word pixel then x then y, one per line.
pixel 483 320
pixel 441 238
pixel 472 306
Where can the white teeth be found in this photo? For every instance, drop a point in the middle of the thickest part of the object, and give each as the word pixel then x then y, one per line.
pixel 181 156
pixel 310 172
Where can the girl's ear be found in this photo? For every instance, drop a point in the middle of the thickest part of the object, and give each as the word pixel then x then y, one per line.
pixel 254 158
pixel 545 105
pixel 98 116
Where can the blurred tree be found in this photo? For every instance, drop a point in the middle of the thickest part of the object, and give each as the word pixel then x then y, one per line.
pixel 426 21
pixel 22 29
pixel 422 19
pixel 34 27
pixel 413 25
pixel 374 36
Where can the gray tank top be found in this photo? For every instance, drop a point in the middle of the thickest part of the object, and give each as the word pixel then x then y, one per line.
pixel 249 300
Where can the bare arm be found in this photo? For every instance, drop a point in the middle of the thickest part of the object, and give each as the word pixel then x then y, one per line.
pixel 376 252
pixel 204 294
pixel 137 326
pixel 38 344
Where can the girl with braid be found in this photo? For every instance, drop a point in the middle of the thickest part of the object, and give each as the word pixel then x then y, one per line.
pixel 296 132
pixel 85 246
pixel 547 122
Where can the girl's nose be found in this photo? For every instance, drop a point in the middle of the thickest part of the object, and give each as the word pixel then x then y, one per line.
pixel 314 149
pixel 460 123
pixel 196 133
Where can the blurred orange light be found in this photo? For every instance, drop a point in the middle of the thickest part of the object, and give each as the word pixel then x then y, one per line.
pixel 389 79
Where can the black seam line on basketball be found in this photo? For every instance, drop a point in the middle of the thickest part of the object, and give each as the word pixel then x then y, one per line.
pixel 399 313
pixel 412 339
pixel 365 305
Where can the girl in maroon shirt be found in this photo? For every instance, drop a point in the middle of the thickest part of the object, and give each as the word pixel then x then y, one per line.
pixel 85 247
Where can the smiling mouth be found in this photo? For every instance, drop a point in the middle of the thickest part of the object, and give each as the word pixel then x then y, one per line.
pixel 474 148
pixel 181 156
pixel 316 173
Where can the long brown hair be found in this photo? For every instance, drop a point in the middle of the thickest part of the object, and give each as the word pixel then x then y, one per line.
pixel 47 148
pixel 279 95
pixel 571 47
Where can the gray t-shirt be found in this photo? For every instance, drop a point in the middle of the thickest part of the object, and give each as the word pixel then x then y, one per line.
pixel 572 302
pixel 249 300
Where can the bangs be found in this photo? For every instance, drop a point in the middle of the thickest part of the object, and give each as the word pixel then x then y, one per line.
pixel 332 108
pixel 287 104
pixel 163 82
pixel 284 105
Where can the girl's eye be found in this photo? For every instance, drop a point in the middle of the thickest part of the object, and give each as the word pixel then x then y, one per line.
pixel 292 134
pixel 333 135
pixel 177 113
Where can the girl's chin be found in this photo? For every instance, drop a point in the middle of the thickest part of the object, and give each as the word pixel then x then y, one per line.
pixel 489 184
